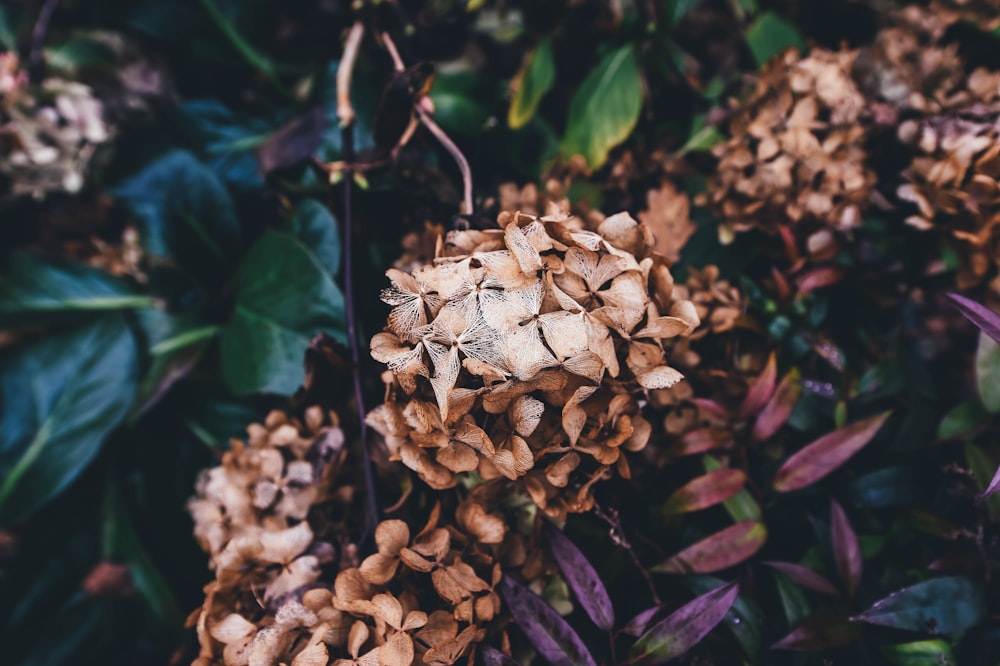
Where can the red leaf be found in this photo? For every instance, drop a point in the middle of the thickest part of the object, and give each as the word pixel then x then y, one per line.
pixel 583 580
pixel 780 407
pixel 700 441
pixel 780 284
pixel 819 277
pixel 722 550
pixel 820 632
pixel 761 389
pixel 705 491
pixel 685 627
pixel 846 550
pixel 826 454
pixel 804 576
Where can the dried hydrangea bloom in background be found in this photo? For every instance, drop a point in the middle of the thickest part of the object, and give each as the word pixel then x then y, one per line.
pixel 796 149
pixel 48 133
pixel 520 352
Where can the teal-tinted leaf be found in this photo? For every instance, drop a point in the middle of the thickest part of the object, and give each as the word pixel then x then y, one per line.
pixel 886 488
pixel 534 80
pixel 77 52
pixel 34 288
pixel 605 108
pixel 8 29
pixel 920 653
pixel 939 606
pixel 284 297
pixel 187 215
pixel 175 344
pixel 685 627
pixel 228 140
pixel 61 397
pixel 317 229
pixel 770 34
pixel 964 418
pixel 743 619
pixel 988 372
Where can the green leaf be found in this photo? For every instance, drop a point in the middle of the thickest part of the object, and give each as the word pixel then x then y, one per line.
pixel 939 606
pixel 793 600
pixel 605 108
pixel 988 372
pixel 34 288
pixel 983 468
pixel 530 85
pixel 317 229
pixel 228 139
pixel 964 418
pixel 186 213
pixel 460 102
pixel 284 297
pixel 920 653
pixel 62 397
pixel 770 34
pixel 896 486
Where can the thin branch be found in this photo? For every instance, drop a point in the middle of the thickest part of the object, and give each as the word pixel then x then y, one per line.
pixel 345 111
pixel 38 32
pixel 617 534
pixel 439 134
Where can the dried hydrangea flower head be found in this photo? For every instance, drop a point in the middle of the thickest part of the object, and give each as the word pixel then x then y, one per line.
pixel 48 133
pixel 795 152
pixel 252 515
pixel 523 349
pixel 953 179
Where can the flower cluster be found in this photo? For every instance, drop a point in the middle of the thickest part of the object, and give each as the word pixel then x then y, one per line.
pixel 48 133
pixel 796 151
pixel 519 352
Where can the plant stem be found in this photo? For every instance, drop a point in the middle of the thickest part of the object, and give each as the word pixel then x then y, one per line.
pixel 371 501
pixel 617 535
pixel 38 32
pixel 345 111
pixel 439 134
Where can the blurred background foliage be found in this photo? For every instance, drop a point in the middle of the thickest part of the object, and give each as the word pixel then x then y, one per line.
pixel 151 312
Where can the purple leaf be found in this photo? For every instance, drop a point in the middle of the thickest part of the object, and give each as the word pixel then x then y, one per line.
pixel 846 551
pixel 805 577
pixel 980 315
pixel 685 627
pixel 494 657
pixel 583 580
pixel 993 487
pixel 554 639
pixel 293 142
pixel 637 626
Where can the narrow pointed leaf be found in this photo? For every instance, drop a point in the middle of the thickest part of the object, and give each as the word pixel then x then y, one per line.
pixel 826 454
pixel 494 657
pixel 685 627
pixel 779 407
pixel 582 580
pixel 939 606
pixel 820 632
pixel 994 485
pixel 980 315
pixel 742 505
pixel 605 108
pixel 846 551
pixel 761 389
pixel 743 620
pixel 638 625
pixel 705 491
pixel 532 82
pixel 805 577
pixel 988 373
pixel 723 549
pixel 547 631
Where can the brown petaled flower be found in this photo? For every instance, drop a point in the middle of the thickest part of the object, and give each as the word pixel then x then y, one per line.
pixel 521 344
pixel 954 178
pixel 796 148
